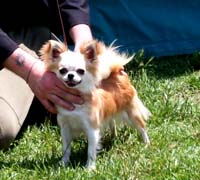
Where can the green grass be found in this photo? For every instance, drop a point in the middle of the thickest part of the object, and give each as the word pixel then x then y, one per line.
pixel 170 87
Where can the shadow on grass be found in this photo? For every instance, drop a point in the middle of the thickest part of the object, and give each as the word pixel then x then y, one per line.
pixel 165 67
pixel 30 164
pixel 78 156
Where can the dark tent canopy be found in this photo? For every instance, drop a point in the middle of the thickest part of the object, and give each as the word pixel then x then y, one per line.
pixel 161 27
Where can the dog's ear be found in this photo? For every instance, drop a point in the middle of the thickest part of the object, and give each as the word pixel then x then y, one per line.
pixel 50 54
pixel 91 50
pixel 51 50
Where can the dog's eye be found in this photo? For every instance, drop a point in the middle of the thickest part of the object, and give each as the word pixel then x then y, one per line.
pixel 63 71
pixel 80 71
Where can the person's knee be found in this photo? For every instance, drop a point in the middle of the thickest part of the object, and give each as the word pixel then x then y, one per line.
pixel 9 125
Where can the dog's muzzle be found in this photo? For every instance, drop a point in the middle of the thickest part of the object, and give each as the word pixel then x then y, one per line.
pixel 70 80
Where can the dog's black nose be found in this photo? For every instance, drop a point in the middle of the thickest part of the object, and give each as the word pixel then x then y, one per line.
pixel 70 76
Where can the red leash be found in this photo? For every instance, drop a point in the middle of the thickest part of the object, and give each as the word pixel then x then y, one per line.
pixel 62 25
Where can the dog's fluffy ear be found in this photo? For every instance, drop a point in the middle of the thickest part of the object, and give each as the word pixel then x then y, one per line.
pixel 51 50
pixel 91 49
pixel 50 54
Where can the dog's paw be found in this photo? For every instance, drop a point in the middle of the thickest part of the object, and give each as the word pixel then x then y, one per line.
pixel 61 163
pixel 90 165
pixel 146 140
pixel 64 163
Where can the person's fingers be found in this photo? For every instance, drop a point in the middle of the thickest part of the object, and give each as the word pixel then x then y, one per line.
pixel 60 102
pixel 49 106
pixel 68 96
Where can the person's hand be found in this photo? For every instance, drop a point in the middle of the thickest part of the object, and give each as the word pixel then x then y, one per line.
pixel 50 90
pixel 80 33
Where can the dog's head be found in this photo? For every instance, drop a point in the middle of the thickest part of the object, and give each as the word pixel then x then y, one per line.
pixel 85 69
pixel 75 69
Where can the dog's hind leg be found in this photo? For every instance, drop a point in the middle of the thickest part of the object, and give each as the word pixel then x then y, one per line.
pixel 136 120
pixel 113 129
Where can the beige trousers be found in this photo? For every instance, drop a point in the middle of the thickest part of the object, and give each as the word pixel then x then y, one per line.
pixel 15 95
pixel 15 100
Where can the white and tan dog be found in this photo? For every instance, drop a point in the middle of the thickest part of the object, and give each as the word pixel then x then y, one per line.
pixel 98 72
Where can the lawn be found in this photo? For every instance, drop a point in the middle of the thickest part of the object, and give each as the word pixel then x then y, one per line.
pixel 170 88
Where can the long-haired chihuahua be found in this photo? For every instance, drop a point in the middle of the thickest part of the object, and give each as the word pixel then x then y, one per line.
pixel 97 71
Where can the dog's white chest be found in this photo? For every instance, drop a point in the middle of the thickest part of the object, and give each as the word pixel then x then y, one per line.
pixel 77 121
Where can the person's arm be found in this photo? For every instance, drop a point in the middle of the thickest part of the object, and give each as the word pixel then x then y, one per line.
pixel 7 46
pixel 80 33
pixel 76 20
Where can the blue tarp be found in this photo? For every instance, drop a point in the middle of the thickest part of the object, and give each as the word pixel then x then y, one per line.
pixel 160 27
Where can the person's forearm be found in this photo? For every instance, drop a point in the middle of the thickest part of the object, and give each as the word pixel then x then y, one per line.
pixel 20 62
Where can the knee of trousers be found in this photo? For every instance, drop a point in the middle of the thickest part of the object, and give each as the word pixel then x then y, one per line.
pixel 9 124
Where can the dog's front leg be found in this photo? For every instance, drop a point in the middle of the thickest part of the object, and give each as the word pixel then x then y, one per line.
pixel 93 141
pixel 66 140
